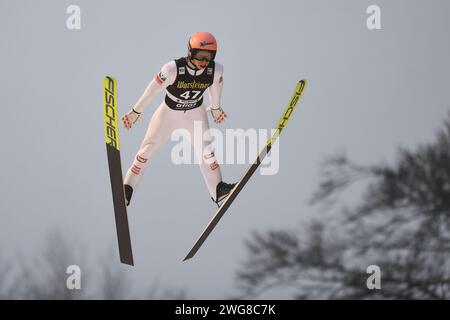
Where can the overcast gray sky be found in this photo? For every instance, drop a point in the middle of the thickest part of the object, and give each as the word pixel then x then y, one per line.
pixel 369 92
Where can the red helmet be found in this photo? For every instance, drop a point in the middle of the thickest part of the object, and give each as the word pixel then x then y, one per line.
pixel 202 41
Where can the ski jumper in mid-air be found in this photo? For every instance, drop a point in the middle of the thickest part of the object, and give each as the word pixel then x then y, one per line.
pixel 185 80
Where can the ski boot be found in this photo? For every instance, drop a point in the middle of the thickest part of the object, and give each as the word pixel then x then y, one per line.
pixel 128 193
pixel 222 191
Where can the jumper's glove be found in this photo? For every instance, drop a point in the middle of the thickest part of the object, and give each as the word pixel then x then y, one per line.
pixel 130 118
pixel 218 114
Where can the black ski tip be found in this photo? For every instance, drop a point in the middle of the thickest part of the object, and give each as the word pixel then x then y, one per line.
pixel 129 262
pixel 126 258
pixel 187 257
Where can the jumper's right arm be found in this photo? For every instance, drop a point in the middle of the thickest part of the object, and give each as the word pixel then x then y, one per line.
pixel 163 79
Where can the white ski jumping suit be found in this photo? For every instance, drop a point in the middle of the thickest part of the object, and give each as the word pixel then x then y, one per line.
pixel 182 106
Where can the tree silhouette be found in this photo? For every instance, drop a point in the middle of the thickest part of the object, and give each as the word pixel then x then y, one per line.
pixel 43 275
pixel 5 270
pixel 401 224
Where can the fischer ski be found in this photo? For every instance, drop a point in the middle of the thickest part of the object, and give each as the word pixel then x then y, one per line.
pixel 241 183
pixel 115 168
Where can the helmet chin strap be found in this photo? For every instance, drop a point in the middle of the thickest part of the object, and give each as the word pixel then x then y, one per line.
pixel 191 64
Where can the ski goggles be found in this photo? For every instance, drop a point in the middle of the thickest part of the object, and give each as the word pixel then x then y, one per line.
pixel 200 57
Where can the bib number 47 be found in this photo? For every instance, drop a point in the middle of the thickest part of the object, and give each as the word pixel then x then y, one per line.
pixel 187 94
